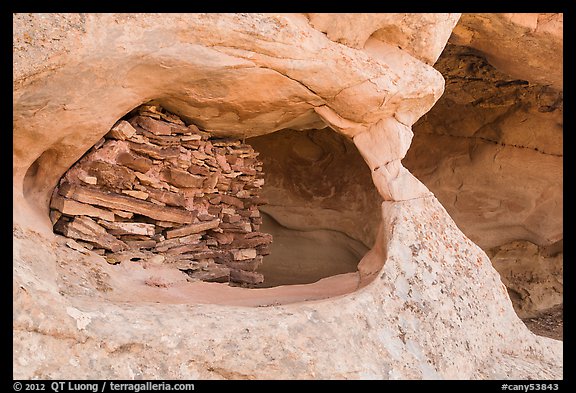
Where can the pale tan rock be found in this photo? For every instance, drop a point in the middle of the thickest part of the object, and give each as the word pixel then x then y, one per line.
pixel 121 131
pixel 87 179
pixel 491 150
pixel 241 255
pixel 304 195
pixel 415 232
pixel 287 92
pixel 496 193
pixel 533 277
pixel 76 246
pixel 395 183
pixel 388 140
pixel 156 259
pixel 83 228
pixel 128 228
pixel 422 35
pixel 527 43
pixel 136 194
pixel 335 121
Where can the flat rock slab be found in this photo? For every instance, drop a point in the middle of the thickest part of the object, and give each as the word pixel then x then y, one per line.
pixel 75 208
pixel 128 228
pixel 83 228
pixel 193 228
pixel 120 202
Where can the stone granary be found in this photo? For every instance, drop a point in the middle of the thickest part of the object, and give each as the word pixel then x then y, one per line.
pixel 153 185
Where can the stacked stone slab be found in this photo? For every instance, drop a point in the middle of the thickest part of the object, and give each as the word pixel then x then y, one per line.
pixel 156 186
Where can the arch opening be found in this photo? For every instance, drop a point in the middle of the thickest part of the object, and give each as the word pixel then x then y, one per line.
pixel 322 210
pixel 162 195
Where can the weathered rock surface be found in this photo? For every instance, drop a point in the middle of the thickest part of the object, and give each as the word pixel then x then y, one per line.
pixel 322 207
pixel 530 45
pixel 421 35
pixel 219 77
pixel 425 301
pixel 532 274
pixel 317 179
pixel 436 309
pixel 491 149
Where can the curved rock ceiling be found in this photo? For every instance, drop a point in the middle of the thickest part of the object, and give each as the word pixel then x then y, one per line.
pixel 425 301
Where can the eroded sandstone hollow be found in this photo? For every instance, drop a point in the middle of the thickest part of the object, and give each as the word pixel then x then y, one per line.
pixel 491 149
pixel 372 279
pixel 322 210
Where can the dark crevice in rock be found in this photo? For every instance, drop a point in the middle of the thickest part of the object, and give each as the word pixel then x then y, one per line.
pixel 494 142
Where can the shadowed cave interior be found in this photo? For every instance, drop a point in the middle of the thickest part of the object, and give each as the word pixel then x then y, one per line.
pixel 311 190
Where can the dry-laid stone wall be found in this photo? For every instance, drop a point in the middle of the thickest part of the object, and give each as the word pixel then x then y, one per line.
pixel 156 189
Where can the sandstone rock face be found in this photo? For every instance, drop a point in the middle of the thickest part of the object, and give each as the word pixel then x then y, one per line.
pixel 214 78
pixel 491 149
pixel 322 210
pixel 421 35
pixel 310 176
pixel 390 326
pixel 532 274
pixel 425 301
pixel 494 152
pixel 530 45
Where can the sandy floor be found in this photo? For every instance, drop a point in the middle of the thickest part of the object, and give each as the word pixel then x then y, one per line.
pixel 304 257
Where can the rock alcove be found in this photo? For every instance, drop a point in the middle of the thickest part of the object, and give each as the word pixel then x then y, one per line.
pixel 155 190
